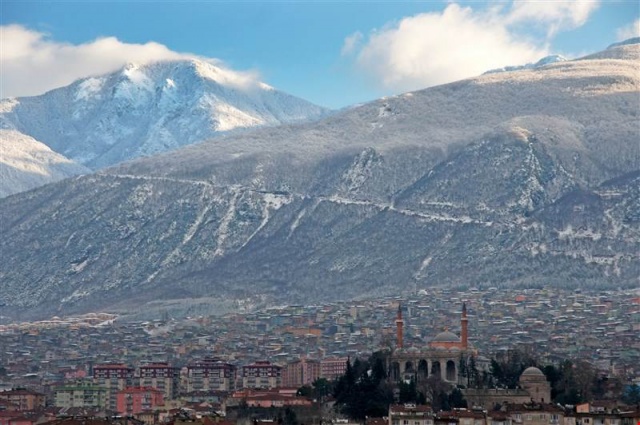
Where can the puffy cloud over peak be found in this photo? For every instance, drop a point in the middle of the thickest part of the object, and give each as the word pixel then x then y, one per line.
pixel 435 48
pixel 32 63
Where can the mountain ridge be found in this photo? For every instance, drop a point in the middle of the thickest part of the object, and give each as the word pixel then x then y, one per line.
pixel 513 179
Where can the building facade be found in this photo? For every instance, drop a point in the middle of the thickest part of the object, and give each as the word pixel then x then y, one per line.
pixel 135 400
pixel 113 377
pixel 440 356
pixel 300 372
pixel 211 374
pixel 23 398
pixel 261 374
pixel 410 414
pixel 533 387
pixel 333 367
pixel 80 396
pixel 161 376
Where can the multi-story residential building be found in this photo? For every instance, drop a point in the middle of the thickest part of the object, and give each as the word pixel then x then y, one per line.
pixel 211 374
pixel 410 414
pixel 261 374
pixel 80 396
pixel 333 367
pixel 113 377
pixel 300 372
pixel 23 398
pixel 161 376
pixel 134 400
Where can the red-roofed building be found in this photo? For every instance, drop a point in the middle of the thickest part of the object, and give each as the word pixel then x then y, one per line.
pixel 269 398
pixel 404 414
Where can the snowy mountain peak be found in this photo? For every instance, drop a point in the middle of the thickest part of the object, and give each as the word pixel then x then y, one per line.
pixel 633 40
pixel 143 109
pixel 547 60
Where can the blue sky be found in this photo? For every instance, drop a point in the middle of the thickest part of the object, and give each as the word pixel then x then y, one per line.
pixel 329 52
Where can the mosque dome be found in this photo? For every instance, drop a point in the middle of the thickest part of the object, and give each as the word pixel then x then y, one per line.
pixel 532 372
pixel 446 336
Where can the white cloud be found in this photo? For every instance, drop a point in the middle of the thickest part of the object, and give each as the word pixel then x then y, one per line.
pixel 560 15
pixel 460 42
pixel 351 43
pixel 435 48
pixel 629 31
pixel 32 64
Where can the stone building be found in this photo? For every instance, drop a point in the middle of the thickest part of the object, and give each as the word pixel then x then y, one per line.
pixel 533 388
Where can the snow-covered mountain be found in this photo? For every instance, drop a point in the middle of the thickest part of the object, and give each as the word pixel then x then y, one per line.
pixel 508 179
pixel 542 62
pixel 147 109
pixel 26 163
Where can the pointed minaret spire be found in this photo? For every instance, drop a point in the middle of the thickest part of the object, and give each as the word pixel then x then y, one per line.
pixel 464 323
pixel 399 325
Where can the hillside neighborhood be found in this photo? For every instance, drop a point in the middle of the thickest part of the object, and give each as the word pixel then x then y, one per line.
pixel 99 364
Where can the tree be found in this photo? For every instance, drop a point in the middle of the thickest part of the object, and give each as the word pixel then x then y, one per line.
pixel 474 379
pixel 507 367
pixel 290 417
pixel 631 395
pixel 321 388
pixel 408 392
pixel 435 391
pixel 363 390
pixel 462 368
pixel 305 391
pixel 456 399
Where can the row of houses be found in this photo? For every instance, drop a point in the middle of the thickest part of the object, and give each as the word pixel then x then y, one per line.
pixel 117 387
pixel 513 414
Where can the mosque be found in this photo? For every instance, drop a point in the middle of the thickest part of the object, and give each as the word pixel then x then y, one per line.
pixel 440 357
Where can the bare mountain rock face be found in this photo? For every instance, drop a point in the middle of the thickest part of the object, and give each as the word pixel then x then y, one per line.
pixel 512 179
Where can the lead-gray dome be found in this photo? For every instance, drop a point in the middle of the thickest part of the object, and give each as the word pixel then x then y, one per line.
pixel 532 371
pixel 446 336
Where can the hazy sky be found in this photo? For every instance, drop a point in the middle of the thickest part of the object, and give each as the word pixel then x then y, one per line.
pixel 329 52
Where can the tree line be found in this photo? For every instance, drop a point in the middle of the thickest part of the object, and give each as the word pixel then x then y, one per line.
pixel 365 390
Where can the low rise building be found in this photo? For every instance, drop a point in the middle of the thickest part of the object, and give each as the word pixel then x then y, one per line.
pixel 411 414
